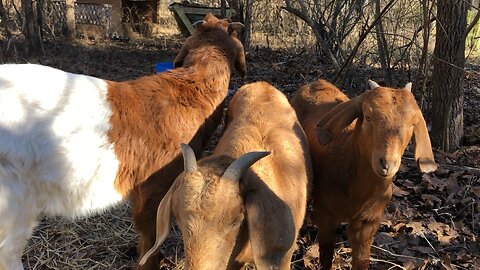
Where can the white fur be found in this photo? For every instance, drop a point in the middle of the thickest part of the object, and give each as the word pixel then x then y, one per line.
pixel 55 157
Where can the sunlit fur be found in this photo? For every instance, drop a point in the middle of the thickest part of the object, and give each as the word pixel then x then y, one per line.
pixel 226 223
pixel 55 155
pixel 364 139
pixel 71 145
pixel 191 107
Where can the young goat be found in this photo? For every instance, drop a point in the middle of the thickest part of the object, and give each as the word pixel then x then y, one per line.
pixel 356 150
pixel 231 218
pixel 72 145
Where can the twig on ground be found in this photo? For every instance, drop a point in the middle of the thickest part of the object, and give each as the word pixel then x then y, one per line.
pixel 388 262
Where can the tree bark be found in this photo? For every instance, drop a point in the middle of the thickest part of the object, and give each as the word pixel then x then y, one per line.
pixel 223 8
pixel 31 30
pixel 3 20
pixel 447 77
pixel 420 89
pixel 383 53
pixel 70 16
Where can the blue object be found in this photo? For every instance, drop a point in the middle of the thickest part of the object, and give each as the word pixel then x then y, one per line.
pixel 163 66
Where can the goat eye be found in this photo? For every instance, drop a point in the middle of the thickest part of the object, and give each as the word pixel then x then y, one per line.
pixel 367 118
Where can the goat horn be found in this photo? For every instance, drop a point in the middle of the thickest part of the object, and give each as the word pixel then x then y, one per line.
pixel 239 166
pixel 189 160
pixel 198 23
pixel 408 87
pixel 373 84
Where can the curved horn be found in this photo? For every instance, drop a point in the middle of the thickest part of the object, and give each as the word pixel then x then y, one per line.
pixel 198 23
pixel 408 87
pixel 373 84
pixel 189 160
pixel 239 166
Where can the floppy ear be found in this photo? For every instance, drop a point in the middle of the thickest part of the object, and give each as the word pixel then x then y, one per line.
pixel 235 26
pixel 423 147
pixel 178 62
pixel 163 226
pixel 338 118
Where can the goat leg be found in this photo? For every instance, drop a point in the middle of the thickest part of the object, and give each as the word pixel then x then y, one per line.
pixel 360 236
pixel 326 242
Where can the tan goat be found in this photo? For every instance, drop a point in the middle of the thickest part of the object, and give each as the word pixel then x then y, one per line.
pixel 356 147
pixel 227 221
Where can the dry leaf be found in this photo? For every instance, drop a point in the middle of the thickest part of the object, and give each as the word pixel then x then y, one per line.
pixel 311 256
pixel 433 183
pixel 430 200
pixel 417 227
pixel 446 262
pixel 443 232
pixel 398 191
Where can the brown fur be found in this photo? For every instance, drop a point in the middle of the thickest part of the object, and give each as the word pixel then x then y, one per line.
pixel 225 223
pixel 354 172
pixel 153 114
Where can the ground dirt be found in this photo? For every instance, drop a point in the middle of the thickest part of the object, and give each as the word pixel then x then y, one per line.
pixel 432 221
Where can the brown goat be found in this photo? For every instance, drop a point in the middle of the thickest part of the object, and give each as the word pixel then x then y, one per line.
pixel 356 147
pixel 227 221
pixel 192 98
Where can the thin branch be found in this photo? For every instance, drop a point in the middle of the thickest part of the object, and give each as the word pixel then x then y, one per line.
pixel 303 15
pixel 363 36
pixel 473 22
pixel 388 262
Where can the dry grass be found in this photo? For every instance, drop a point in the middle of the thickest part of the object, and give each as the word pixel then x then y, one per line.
pixel 102 241
pixel 99 242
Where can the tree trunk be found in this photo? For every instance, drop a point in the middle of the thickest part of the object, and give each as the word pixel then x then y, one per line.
pixel 40 19
pixel 70 16
pixel 447 77
pixel 31 30
pixel 3 20
pixel 223 8
pixel 420 89
pixel 383 53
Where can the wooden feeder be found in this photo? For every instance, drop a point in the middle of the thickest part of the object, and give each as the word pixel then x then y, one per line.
pixel 187 13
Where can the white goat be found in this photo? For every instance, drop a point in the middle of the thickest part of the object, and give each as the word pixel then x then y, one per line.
pixel 72 145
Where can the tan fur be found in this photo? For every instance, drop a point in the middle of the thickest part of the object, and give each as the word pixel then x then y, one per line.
pixel 227 223
pixel 154 114
pixel 354 169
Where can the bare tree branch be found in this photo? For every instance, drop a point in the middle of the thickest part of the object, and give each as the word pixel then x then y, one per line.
pixel 303 15
pixel 474 21
pixel 362 37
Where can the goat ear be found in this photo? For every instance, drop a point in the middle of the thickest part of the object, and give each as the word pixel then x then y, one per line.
pixel 408 87
pixel 178 62
pixel 423 147
pixel 238 167
pixel 373 84
pixel 338 118
pixel 189 159
pixel 163 226
pixel 235 26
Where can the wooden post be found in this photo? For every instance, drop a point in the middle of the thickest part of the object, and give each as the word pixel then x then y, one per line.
pixel 70 16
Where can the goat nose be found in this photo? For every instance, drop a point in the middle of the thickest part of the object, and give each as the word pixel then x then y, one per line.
pixel 386 165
